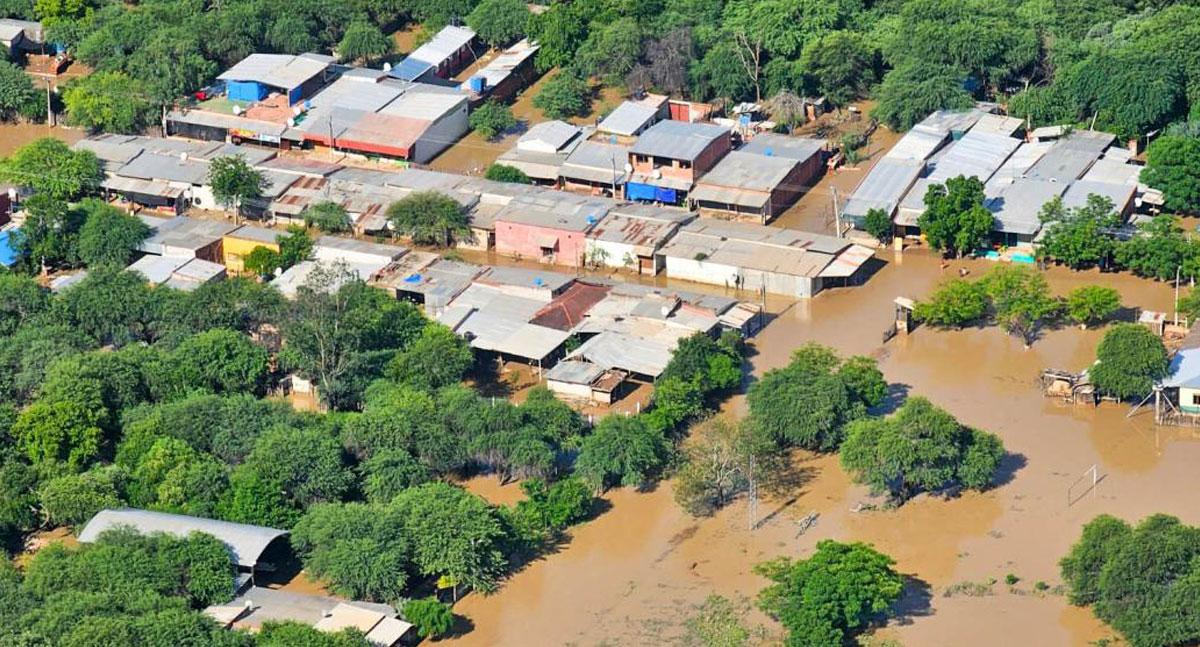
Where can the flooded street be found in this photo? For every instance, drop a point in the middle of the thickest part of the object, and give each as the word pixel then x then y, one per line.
pixel 630 576
pixel 16 135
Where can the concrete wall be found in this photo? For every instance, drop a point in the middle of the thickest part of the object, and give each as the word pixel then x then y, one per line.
pixel 578 391
pixel 799 287
pixel 441 134
pixel 616 256
pixel 514 238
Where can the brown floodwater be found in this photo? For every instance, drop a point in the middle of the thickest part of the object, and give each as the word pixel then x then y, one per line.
pixel 16 135
pixel 630 576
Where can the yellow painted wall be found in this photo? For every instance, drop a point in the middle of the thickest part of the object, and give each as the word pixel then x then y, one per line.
pixel 236 249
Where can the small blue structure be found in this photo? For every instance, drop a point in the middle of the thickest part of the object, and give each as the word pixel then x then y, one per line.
pixel 8 243
pixel 255 77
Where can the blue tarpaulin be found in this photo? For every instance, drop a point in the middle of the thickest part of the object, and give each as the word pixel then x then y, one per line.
pixel 665 195
pixel 8 253
pixel 639 191
pixel 245 91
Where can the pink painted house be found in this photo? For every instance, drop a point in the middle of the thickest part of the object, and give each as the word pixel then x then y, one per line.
pixel 549 226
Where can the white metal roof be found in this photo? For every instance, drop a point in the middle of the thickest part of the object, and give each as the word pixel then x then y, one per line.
pixel 246 543
pixel 277 70
pixel 628 119
pixel 883 187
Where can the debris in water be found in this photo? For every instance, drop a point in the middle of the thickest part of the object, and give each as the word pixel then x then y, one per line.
pixel 807 522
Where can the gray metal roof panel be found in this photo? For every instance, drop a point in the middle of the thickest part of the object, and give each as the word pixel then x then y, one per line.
pixel 677 139
pixel 245 542
pixel 627 119
pixel 777 145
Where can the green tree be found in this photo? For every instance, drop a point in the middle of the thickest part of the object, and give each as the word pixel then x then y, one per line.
pixel 73 499
pixel 21 299
pixel 842 66
pixel 505 173
pixel 454 533
pixel 296 634
pixel 610 52
pixel 111 306
pixel 1130 359
pixel 330 217
pixel 1092 303
pixel 879 225
pixel 389 472
pixel 955 219
pixel 436 358
pixel 721 460
pixel 109 235
pixel 955 303
pixel 50 167
pixel 921 448
pixel 1142 580
pixel 827 598
pixel 50 235
pixel 1158 251
pixel 314 471
pixel 18 97
pixel 807 402
pixel 910 92
pixel 341 333
pixel 220 361
pixel 172 65
pixel 622 450
pixel 565 95
pixel 234 182
pixel 500 22
pixel 1076 237
pixel 361 550
pixel 109 102
pixel 491 119
pixel 432 618
pixel 430 218
pixel 1020 299
pixel 262 262
pixel 294 247
pixel 1173 167
pixel 60 435
pixel 364 43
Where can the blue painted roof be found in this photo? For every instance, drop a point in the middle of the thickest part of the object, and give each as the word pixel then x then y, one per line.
pixel 410 69
pixel 8 253
pixel 1184 370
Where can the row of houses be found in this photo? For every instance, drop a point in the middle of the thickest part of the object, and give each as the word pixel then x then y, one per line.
pixel 623 333
pixel 639 154
pixel 163 176
pixel 409 112
pixel 1020 171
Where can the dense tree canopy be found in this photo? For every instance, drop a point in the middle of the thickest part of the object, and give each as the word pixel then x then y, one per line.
pixel 920 448
pixel 829 597
pixel 955 219
pixel 1173 167
pixel 1141 580
pixel 430 218
pixel 1129 360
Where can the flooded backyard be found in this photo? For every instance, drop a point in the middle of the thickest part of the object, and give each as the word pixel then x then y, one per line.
pixel 630 576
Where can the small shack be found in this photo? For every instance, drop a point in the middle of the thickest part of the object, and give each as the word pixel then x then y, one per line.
pixel 585 381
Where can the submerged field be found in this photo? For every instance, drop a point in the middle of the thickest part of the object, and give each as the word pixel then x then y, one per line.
pixel 632 575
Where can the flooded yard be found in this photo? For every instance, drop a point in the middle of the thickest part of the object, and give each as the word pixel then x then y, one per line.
pixel 631 576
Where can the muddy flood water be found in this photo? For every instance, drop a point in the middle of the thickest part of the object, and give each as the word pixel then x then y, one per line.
pixel 633 574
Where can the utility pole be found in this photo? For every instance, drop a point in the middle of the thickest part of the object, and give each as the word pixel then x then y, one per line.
pixel 49 107
pixel 1177 268
pixel 837 214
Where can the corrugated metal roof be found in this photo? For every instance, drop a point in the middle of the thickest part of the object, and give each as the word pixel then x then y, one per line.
pixel 556 210
pixel 500 68
pixel 549 136
pixel 677 139
pixel 617 350
pixel 998 125
pixel 574 372
pixel 596 162
pixel 747 171
pixel 246 543
pixel 1114 171
pixel 883 187
pixel 778 145
pixel 1077 194
pixel 156 166
pixel 627 119
pixel 974 155
pixel 441 47
pixel 916 145
pixel 278 70
pixel 1071 156
pixel 1016 207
